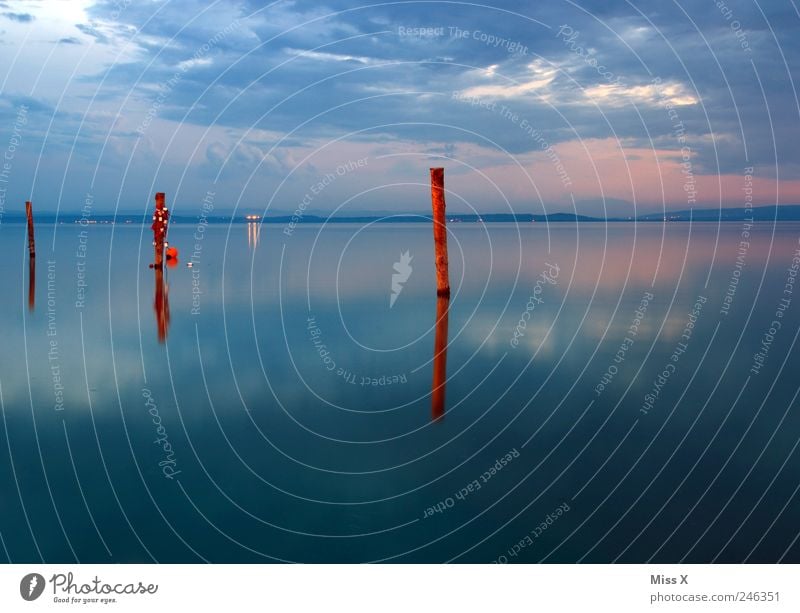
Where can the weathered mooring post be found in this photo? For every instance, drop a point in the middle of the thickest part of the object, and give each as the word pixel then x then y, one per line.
pixel 161 298
pixel 160 220
pixel 440 358
pixel 439 232
pixel 31 242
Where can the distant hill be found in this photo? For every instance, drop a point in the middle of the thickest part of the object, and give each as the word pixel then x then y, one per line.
pixel 311 219
pixel 784 212
pixel 420 218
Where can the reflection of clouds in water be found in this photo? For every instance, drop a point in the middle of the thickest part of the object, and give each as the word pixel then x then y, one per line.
pixel 587 257
pixel 601 312
pixel 479 329
pixel 675 324
pixel 537 339
pixel 365 310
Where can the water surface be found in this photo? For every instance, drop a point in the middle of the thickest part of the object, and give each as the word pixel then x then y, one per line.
pixel 269 404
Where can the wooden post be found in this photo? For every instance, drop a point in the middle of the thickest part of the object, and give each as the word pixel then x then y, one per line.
pixel 161 299
pixel 160 219
pixel 439 232
pixel 31 243
pixel 440 358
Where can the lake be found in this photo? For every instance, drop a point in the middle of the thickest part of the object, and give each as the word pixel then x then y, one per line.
pixel 590 392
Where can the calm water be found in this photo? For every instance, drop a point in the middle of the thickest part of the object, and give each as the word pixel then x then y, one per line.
pixel 296 413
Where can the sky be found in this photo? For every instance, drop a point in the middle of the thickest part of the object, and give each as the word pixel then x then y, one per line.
pixel 596 107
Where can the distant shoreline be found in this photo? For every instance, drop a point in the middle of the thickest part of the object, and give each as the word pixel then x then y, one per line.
pixel 782 213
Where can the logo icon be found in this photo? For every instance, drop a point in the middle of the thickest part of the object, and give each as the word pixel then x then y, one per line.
pixel 402 273
pixel 31 586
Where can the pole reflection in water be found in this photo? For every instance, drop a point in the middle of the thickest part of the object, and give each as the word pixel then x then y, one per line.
pixel 31 283
pixel 440 358
pixel 253 231
pixel 161 305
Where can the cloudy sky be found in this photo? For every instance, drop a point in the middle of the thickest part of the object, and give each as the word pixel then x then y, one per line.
pixel 344 105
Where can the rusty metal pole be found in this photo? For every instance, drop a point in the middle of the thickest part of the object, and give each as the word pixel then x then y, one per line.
pixel 439 232
pixel 31 242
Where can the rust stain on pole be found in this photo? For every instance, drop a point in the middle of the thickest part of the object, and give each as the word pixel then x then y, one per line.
pixel 31 243
pixel 439 232
pixel 440 358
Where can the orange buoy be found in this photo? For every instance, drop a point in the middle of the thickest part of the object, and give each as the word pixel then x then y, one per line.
pixel 172 253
